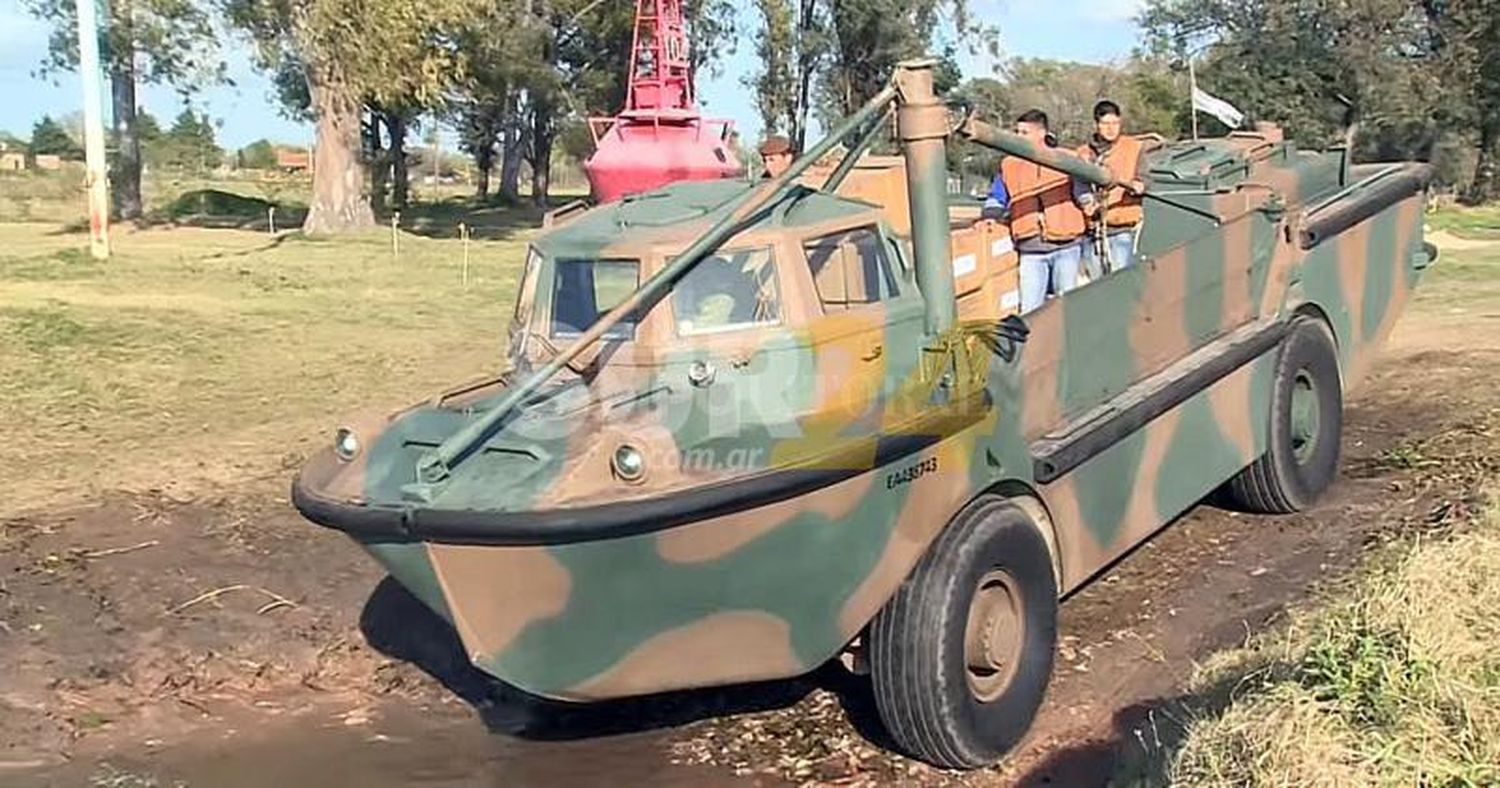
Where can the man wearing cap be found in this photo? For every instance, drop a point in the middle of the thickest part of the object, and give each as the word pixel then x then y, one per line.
pixel 1120 214
pixel 776 152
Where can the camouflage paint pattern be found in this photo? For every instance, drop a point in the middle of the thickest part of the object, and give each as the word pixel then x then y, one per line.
pixel 776 589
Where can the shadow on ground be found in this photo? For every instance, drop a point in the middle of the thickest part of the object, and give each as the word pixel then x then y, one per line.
pixel 399 626
pixel 1144 737
pixel 485 220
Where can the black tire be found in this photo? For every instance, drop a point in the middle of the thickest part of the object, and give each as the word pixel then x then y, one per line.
pixel 928 695
pixel 1300 462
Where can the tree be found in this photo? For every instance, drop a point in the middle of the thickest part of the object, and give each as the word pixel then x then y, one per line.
pixel 484 112
pixel 793 46
pixel 49 138
pixel 350 52
pixel 871 36
pixel 258 155
pixel 1310 65
pixel 1465 42
pixel 156 41
pixel 190 144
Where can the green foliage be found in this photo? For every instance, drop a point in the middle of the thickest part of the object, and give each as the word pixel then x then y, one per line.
pixel 49 138
pixel 258 155
pixel 1361 669
pixel 155 41
pixel 147 129
pixel 158 41
pixel 793 47
pixel 1420 76
pixel 386 50
pixel 189 144
pixel 871 36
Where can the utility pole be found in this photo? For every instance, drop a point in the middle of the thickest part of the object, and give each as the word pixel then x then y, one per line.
pixel 1193 94
pixel 93 131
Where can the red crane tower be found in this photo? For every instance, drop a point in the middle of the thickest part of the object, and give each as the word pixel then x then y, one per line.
pixel 659 137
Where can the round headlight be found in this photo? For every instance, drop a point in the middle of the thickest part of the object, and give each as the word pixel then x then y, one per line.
pixel 628 463
pixel 701 373
pixel 345 444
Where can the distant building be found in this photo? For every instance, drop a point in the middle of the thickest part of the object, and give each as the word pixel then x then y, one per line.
pixel 48 161
pixel 293 160
pixel 12 161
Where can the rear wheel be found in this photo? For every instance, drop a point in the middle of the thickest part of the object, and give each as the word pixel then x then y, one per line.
pixel 1307 402
pixel 961 655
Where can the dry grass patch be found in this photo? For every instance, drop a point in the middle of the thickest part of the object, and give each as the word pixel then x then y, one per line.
pixel 1396 684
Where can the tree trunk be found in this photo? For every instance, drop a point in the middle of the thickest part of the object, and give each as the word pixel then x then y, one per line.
pixel 378 163
pixel 510 157
pixel 1482 190
pixel 541 152
pixel 126 178
pixel 400 174
pixel 338 201
pixel 484 161
pixel 807 63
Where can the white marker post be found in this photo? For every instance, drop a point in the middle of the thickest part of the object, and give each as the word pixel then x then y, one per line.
pixel 95 180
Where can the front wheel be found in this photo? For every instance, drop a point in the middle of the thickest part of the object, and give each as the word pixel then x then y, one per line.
pixel 961 655
pixel 1307 404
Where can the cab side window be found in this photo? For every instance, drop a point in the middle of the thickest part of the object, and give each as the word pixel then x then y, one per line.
pixel 727 291
pixel 851 269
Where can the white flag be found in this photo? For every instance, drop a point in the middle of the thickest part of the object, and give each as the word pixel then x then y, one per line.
pixel 1217 107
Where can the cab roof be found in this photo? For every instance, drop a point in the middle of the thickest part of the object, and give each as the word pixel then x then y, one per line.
pixel 678 213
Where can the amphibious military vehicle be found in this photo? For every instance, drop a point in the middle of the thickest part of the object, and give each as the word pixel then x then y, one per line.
pixel 750 427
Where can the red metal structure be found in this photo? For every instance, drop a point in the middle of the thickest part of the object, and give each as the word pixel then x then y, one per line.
pixel 659 137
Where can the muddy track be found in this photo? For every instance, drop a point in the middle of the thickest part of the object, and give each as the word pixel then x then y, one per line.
pixel 224 641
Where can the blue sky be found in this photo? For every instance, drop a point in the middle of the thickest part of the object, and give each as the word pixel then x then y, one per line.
pixel 1087 30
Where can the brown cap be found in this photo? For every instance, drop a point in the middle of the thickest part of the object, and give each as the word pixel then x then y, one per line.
pixel 774 145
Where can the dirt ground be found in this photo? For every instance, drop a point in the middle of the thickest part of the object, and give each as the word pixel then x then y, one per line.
pixel 161 639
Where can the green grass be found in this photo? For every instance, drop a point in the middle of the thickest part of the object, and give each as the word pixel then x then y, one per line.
pixel 198 355
pixel 1396 683
pixel 1464 279
pixel 1481 223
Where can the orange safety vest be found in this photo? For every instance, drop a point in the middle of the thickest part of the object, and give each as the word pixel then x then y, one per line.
pixel 1041 202
pixel 1121 208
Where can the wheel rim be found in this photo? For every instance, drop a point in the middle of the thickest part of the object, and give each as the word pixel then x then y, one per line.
pixel 1306 416
pixel 994 634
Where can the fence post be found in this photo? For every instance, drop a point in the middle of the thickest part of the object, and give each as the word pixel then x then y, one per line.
pixel 463 232
pixel 396 234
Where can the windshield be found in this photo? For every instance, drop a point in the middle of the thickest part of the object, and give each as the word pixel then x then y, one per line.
pixel 585 290
pixel 727 291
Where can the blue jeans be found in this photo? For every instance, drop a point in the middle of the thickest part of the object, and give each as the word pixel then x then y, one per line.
pixel 1121 252
pixel 1056 271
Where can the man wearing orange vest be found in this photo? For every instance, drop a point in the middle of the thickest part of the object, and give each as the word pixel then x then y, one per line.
pixel 1121 210
pixel 1046 210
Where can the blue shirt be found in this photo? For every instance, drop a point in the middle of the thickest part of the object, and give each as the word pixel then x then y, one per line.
pixel 999 195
